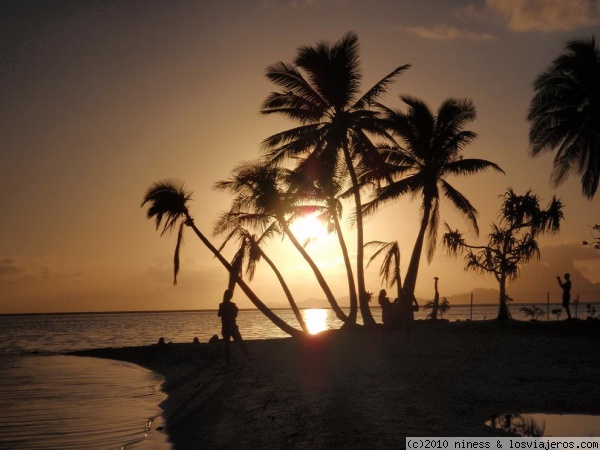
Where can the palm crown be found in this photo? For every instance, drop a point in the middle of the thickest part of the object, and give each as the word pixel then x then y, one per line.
pixel 565 114
pixel 428 150
pixel 168 200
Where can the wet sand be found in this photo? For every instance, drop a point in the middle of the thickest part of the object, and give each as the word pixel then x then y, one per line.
pixel 353 390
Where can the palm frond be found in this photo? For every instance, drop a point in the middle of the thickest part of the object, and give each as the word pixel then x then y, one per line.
pixel 333 70
pixel 380 88
pixel 563 114
pixel 461 203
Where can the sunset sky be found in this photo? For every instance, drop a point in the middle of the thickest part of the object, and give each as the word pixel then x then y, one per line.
pixel 101 99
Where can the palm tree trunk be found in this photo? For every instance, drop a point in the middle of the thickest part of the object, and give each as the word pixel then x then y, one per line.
pixel 286 289
pixel 243 286
pixel 351 287
pixel 363 297
pixel 320 279
pixel 398 279
pixel 410 280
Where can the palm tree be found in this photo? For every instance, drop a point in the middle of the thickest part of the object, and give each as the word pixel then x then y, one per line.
pixel 320 91
pixel 261 196
pixel 428 150
pixel 249 253
pixel 324 184
pixel 390 267
pixel 565 114
pixel 168 200
pixel 442 307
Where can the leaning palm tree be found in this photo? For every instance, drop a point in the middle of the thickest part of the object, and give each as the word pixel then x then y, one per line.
pixel 168 200
pixel 324 184
pixel 320 91
pixel 565 114
pixel 249 253
pixel 261 196
pixel 428 151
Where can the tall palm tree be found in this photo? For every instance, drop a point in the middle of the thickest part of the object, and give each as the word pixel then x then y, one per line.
pixel 168 200
pixel 564 114
pixel 249 253
pixel 320 91
pixel 390 267
pixel 261 196
pixel 429 149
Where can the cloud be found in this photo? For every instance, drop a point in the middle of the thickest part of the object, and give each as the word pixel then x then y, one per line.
pixel 16 269
pixel 537 15
pixel 447 32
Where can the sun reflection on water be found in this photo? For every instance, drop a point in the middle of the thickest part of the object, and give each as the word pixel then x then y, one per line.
pixel 316 320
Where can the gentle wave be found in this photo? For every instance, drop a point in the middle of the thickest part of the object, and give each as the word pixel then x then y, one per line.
pixel 67 402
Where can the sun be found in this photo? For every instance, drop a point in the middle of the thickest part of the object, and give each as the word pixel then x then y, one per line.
pixel 316 320
pixel 309 228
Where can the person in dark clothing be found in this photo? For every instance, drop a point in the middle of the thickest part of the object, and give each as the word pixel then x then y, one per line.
pixel 387 314
pixel 228 312
pixel 566 294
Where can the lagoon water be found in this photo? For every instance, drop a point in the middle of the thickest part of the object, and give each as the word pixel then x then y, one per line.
pixel 52 401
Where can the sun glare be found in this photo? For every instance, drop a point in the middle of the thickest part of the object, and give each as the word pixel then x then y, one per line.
pixel 309 227
pixel 316 320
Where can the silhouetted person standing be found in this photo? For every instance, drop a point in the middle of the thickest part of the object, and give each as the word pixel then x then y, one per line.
pixel 566 295
pixel 228 312
pixel 387 314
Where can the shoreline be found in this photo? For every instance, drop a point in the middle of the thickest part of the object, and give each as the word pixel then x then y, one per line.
pixel 352 389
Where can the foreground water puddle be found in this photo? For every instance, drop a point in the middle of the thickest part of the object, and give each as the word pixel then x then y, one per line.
pixel 548 425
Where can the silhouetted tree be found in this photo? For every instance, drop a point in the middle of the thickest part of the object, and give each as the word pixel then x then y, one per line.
pixel 565 114
pixel 428 151
pixel 320 91
pixel 260 196
pixel 511 243
pixel 324 184
pixel 442 307
pixel 168 200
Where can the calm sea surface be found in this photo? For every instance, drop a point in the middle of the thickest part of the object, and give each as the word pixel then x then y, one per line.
pixel 51 401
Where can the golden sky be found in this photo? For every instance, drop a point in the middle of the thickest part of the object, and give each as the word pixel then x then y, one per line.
pixel 101 99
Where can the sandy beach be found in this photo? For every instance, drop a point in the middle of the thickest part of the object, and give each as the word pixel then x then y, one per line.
pixel 354 390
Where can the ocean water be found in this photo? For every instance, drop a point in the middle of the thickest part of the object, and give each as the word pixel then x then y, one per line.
pixel 51 401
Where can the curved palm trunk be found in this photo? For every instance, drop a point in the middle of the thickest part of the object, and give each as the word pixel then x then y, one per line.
pixel 410 280
pixel 243 286
pixel 351 287
pixel 363 297
pixel 287 291
pixel 321 280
